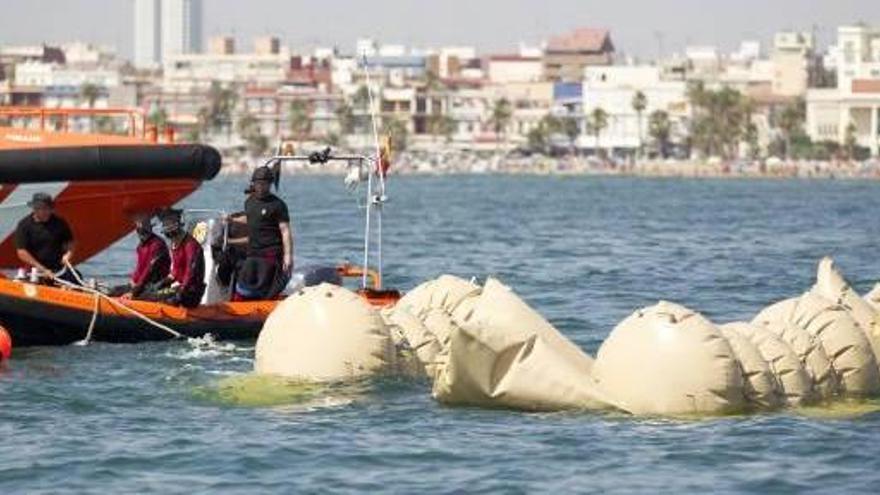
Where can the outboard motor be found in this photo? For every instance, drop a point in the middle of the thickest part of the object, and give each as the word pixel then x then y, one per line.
pixel 309 276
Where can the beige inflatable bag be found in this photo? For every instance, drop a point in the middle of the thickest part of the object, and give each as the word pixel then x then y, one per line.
pixel 789 373
pixel 324 333
pixel 844 342
pixel 505 355
pixel 762 389
pixel 873 297
pixel 669 360
pixel 498 306
pixel 445 292
pixel 831 285
pixel 423 343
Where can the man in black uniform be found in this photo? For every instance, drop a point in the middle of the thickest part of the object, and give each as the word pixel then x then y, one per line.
pixel 267 268
pixel 44 241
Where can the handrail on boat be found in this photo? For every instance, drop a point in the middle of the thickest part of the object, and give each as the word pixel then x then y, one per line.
pixel 137 118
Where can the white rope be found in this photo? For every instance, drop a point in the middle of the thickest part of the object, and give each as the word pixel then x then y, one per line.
pixel 117 304
pixel 88 338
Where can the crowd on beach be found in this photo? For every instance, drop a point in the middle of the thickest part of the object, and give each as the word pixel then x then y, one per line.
pixel 462 163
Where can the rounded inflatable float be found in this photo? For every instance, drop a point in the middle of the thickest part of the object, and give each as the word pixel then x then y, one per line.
pixel 324 333
pixel 669 360
pixel 5 344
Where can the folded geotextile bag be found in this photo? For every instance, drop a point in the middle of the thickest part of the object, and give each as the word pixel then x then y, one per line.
pixel 504 354
pixel 831 284
pixel 761 387
pixel 791 377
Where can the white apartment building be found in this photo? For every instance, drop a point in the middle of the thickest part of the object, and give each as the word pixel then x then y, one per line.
pixel 164 28
pixel 855 103
pixel 197 71
pixel 503 69
pixel 44 75
pixel 147 33
pixel 613 88
pixel 791 58
pixel 181 27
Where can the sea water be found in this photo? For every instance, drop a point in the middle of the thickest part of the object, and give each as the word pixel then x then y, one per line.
pixel 187 417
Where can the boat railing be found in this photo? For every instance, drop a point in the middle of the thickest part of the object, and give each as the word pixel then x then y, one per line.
pixel 59 120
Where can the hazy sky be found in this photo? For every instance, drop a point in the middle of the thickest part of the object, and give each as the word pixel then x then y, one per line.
pixel 490 25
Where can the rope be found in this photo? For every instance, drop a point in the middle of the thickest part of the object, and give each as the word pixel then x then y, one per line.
pixel 114 302
pixel 88 338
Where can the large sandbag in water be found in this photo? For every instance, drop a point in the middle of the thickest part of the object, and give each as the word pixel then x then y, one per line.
pixel 812 355
pixel 831 285
pixel 499 307
pixel 445 292
pixel 843 340
pixel 669 360
pixel 497 367
pixel 776 313
pixel 505 355
pixel 873 298
pixel 783 362
pixel 762 390
pixel 422 342
pixel 324 333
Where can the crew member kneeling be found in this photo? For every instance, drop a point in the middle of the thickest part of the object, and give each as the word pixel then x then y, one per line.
pixel 185 285
pixel 153 261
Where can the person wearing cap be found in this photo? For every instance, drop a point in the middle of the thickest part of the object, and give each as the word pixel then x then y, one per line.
pixel 44 241
pixel 269 262
pixel 153 260
pixel 185 284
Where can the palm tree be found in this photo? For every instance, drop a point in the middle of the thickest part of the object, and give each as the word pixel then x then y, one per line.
pixel 596 123
pixel 397 131
pixel 345 118
pixel 441 125
pixel 502 113
pixel 572 130
pixel 850 141
pixel 249 130
pixel 361 112
pixel 791 123
pixel 90 93
pixel 639 103
pixel 660 129
pixel 300 119
pixel 221 104
pixel 539 136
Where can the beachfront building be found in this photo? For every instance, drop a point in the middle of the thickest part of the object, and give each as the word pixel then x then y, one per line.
pixel 185 71
pixel 530 102
pixel 794 62
pixel 514 68
pixel 566 56
pixel 613 89
pixel 850 113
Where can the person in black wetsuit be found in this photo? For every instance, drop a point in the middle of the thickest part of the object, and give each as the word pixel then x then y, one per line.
pixel 269 263
pixel 43 240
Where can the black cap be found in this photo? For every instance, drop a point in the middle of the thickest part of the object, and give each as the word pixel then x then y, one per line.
pixel 170 215
pixel 41 199
pixel 263 173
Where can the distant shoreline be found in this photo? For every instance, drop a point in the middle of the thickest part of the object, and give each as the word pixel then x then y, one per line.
pixel 579 167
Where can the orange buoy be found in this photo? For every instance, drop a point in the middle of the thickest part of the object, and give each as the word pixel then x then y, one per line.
pixel 5 344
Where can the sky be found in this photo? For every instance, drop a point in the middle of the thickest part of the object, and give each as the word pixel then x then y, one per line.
pixel 642 29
